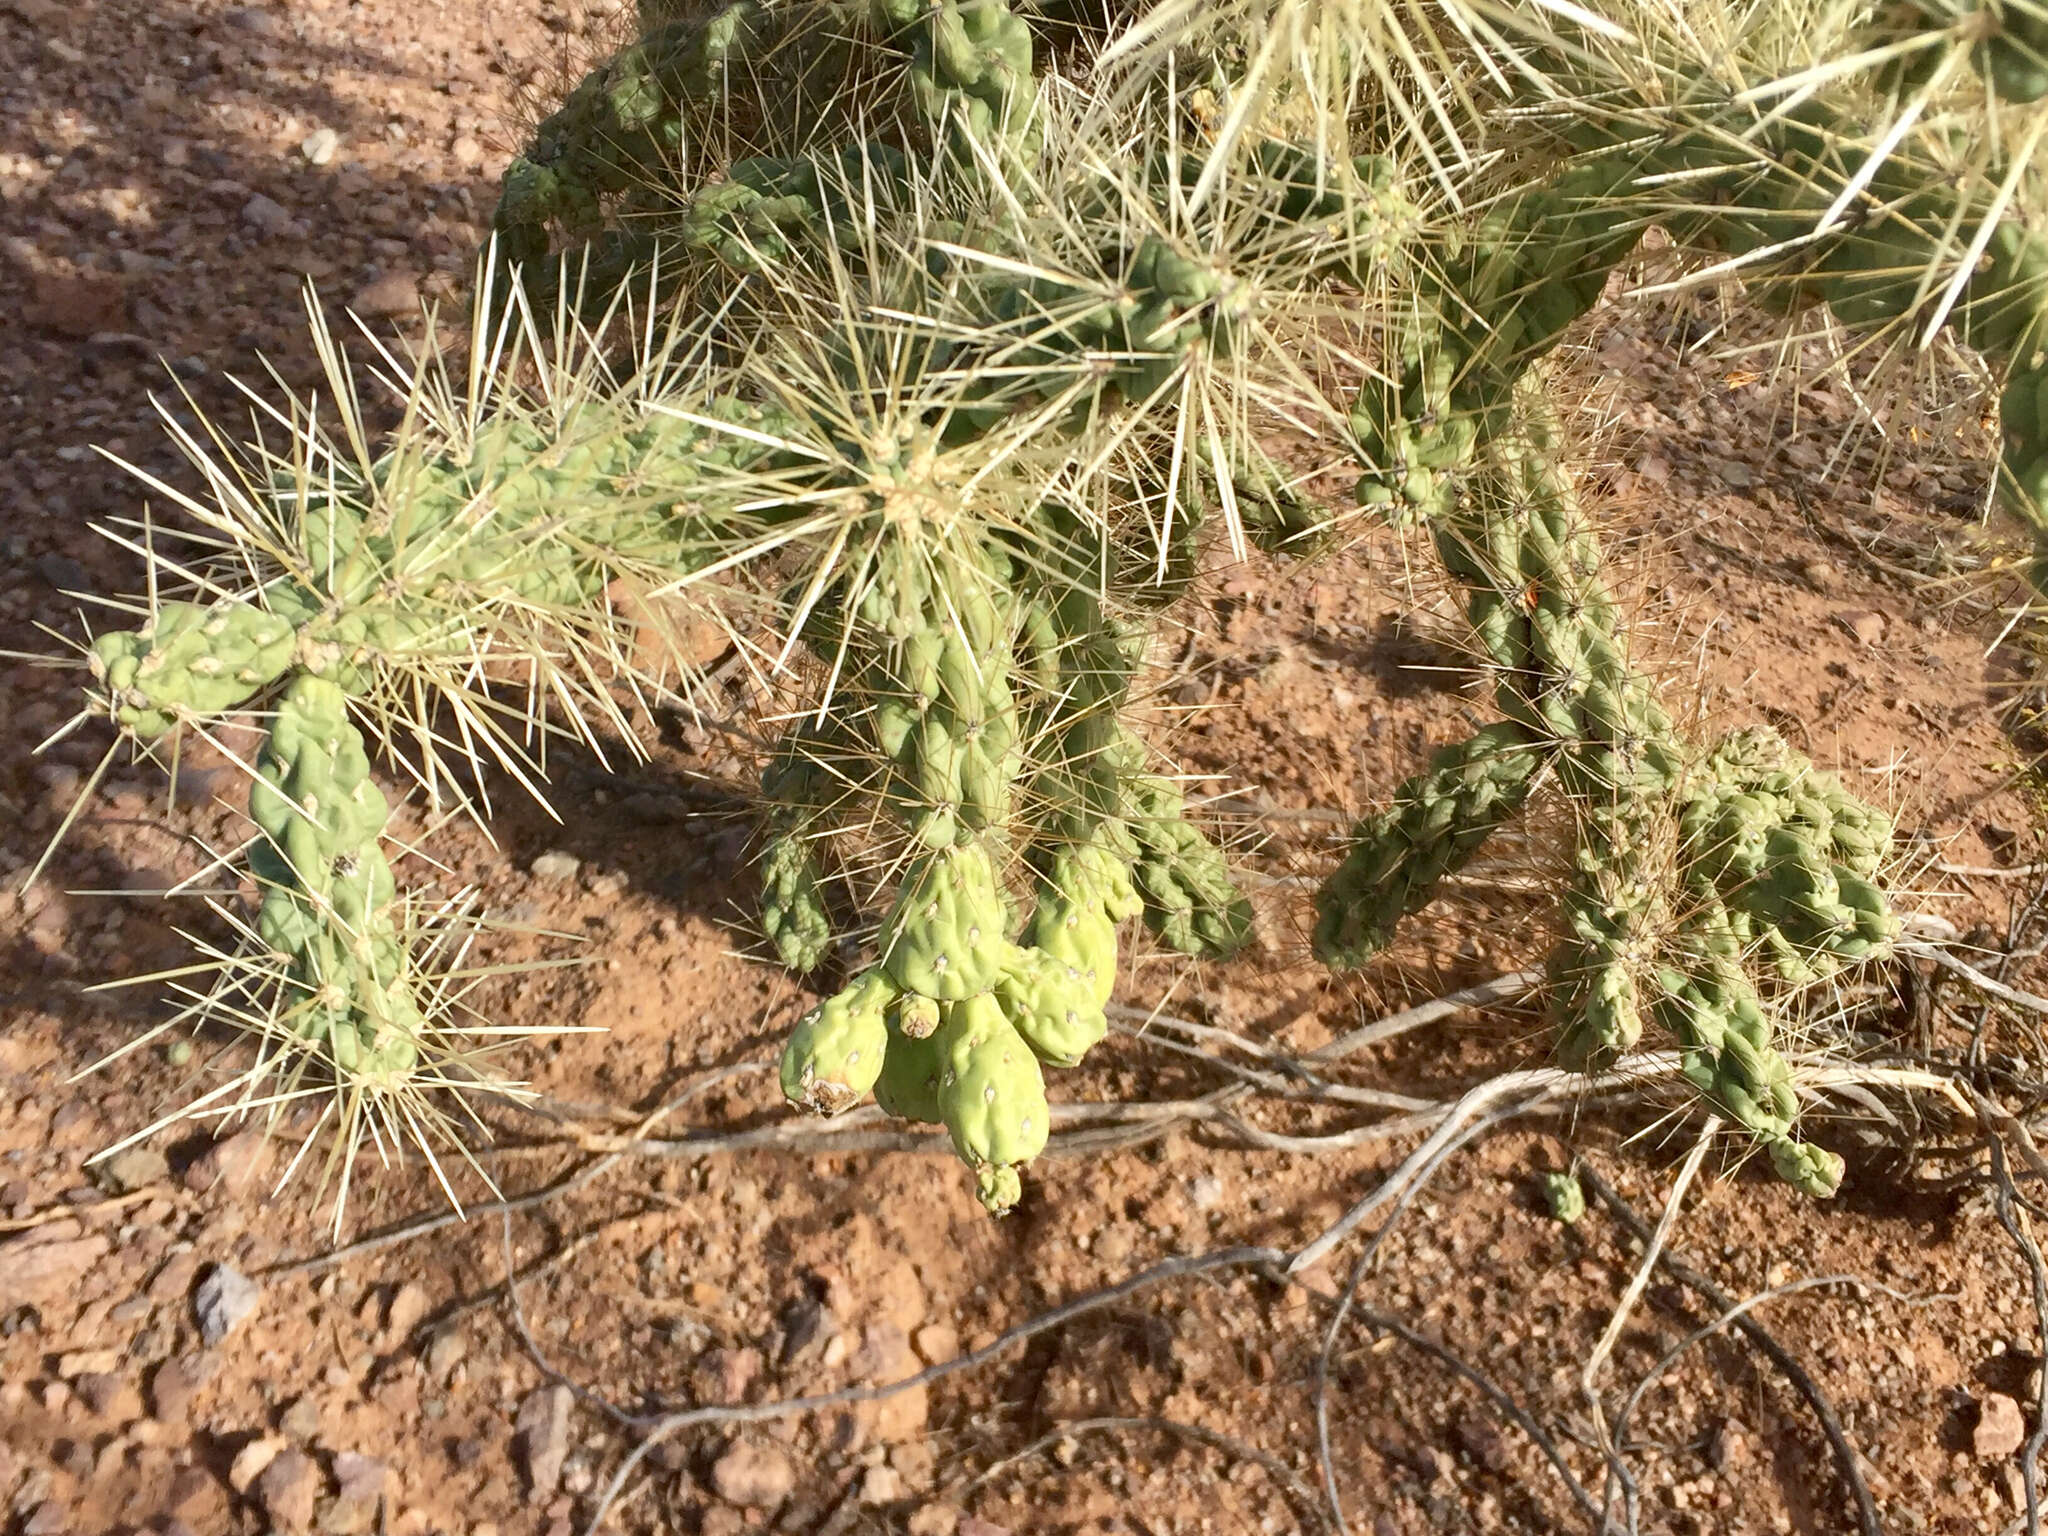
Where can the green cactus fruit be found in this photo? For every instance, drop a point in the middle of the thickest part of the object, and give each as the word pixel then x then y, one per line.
pixel 945 937
pixel 1079 935
pixel 908 1087
pixel 1564 1197
pixel 191 660
pixel 1053 1006
pixel 836 1052
pixel 916 1016
pixel 991 1093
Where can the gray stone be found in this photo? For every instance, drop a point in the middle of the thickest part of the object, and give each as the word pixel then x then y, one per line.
pixel 2001 1428
pixel 267 215
pixel 175 1384
pixel 301 1420
pixel 543 1431
pixel 555 865
pixel 224 1298
pixel 289 1488
pixel 752 1476
pixel 63 573
pixel 136 1168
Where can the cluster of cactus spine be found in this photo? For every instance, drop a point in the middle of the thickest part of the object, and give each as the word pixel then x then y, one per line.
pixel 960 369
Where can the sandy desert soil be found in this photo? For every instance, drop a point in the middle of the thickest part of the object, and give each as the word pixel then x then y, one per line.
pixel 168 173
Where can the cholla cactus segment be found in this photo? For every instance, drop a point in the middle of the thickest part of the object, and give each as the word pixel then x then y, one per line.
pixel 972 73
pixel 908 1087
pixel 1614 912
pixel 991 1095
pixel 1054 1005
pixel 1565 1198
pixel 835 1055
pixel 2007 45
pixel 945 939
pixel 1725 1049
pixel 620 126
pixel 1436 822
pixel 794 915
pixel 1790 854
pixel 191 661
pixel 328 891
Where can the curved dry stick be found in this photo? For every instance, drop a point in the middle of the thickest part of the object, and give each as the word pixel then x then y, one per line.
pixel 1845 1454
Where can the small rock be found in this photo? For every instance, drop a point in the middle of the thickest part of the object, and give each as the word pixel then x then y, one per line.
pixel 408 1306
pixel 84 1362
pixel 543 1433
pixel 555 866
pixel 395 293
pixel 934 1520
pixel 252 1461
pixel 136 1168
pixel 881 1485
pixel 234 1162
pixel 288 1490
pixel 175 1384
pixel 267 215
pixel 1818 573
pixel 1736 476
pixel 79 307
pixel 723 1375
pixel 43 1267
pixel 752 1476
pixel 1866 626
pixel 319 146
pixel 1207 1192
pixel 63 573
pixel 224 1298
pixel 445 1351
pixel 46 1519
pixel 937 1343
pixel 916 1461
pixel 302 1419
pixel 971 1525
pixel 806 1324
pixel 249 19
pixel 362 1491
pixel 1728 1448
pixel 108 1395
pixel 468 153
pixel 2001 1428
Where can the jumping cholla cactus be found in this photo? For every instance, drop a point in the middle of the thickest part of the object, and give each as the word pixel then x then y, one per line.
pixel 945 386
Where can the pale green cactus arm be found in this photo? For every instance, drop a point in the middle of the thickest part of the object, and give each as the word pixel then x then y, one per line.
pixel 328 892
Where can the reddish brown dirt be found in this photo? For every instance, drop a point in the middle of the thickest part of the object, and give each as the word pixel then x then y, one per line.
pixel 132 140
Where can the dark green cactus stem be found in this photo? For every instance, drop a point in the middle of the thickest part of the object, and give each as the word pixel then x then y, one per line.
pixel 1707 1000
pixel 799 788
pixel 1436 822
pixel 328 891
